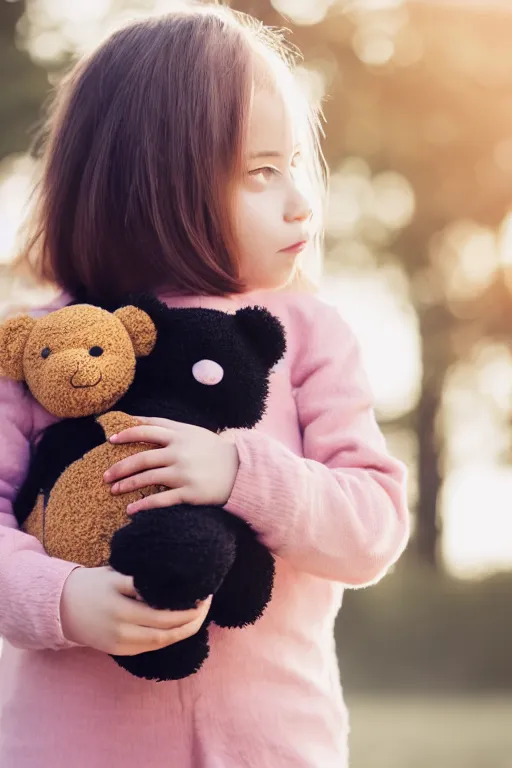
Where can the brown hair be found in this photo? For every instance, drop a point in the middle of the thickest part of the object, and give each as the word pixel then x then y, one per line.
pixel 143 143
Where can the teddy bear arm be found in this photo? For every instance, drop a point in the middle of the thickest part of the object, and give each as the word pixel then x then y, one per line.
pixel 247 588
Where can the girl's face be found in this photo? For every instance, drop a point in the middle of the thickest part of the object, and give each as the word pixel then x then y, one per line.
pixel 272 212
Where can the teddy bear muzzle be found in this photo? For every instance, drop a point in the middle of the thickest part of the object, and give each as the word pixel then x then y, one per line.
pixel 87 375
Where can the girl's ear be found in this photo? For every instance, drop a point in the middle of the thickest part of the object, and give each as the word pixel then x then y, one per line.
pixel 14 335
pixel 265 333
pixel 141 329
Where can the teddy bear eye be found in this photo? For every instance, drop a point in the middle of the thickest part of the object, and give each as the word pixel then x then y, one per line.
pixel 208 372
pixel 96 351
pixel 45 352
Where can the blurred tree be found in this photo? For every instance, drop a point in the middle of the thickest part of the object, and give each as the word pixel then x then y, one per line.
pixel 23 85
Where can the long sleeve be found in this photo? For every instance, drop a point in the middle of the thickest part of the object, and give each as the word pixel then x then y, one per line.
pixel 31 582
pixel 340 511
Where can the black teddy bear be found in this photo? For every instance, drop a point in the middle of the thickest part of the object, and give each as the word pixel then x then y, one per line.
pixel 178 555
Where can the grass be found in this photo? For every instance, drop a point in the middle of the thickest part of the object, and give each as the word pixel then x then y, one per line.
pixel 436 732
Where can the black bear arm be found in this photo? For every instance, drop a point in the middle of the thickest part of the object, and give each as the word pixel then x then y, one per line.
pixel 62 443
pixel 247 588
pixel 176 555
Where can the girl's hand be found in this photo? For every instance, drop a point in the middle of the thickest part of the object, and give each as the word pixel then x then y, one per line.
pixel 197 466
pixel 98 610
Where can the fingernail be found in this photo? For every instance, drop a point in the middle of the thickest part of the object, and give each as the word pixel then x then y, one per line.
pixel 115 487
pixel 130 510
pixel 113 438
pixel 106 476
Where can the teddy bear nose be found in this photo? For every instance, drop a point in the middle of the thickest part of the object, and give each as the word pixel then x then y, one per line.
pixel 87 373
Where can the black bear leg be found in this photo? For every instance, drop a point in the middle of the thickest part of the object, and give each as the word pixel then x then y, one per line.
pixel 172 663
pixel 177 556
pixel 247 588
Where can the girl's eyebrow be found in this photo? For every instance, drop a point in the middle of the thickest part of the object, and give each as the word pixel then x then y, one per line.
pixel 266 153
pixel 272 153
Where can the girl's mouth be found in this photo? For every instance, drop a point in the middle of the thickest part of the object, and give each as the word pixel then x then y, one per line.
pixel 295 248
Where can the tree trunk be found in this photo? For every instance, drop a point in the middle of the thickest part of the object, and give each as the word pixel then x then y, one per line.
pixel 23 85
pixel 428 527
pixel 435 360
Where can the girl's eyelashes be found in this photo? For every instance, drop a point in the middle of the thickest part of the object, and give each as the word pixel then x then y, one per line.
pixel 266 172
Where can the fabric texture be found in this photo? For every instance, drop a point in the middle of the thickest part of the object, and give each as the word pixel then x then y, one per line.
pixel 317 485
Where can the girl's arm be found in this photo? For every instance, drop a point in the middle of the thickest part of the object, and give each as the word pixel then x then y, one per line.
pixel 31 582
pixel 340 512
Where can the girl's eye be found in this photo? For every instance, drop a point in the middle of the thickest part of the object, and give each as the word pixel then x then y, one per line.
pixel 46 352
pixel 264 174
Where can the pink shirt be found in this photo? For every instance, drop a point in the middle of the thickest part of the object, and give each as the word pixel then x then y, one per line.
pixel 318 485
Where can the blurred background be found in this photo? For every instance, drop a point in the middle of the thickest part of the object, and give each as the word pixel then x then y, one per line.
pixel 418 102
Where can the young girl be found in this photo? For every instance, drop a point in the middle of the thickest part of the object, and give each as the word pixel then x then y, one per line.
pixel 180 160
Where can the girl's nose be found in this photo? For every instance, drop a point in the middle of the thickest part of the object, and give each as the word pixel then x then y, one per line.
pixel 299 208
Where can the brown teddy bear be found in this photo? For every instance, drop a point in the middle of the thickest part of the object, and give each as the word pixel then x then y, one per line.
pixel 78 361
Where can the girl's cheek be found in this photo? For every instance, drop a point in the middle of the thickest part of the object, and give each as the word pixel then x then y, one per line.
pixel 252 211
pixel 259 222
pixel 265 209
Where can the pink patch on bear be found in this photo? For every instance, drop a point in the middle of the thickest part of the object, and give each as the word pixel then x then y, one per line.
pixel 208 372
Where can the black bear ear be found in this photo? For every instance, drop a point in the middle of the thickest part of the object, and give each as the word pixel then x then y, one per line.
pixel 265 333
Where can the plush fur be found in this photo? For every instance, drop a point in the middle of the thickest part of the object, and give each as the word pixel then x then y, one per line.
pixel 79 360
pixel 177 555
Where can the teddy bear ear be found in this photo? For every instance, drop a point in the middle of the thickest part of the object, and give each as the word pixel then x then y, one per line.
pixel 265 333
pixel 141 329
pixel 14 335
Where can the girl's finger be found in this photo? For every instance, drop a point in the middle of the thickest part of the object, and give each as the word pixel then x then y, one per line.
pixel 124 584
pixel 144 616
pixel 135 639
pixel 161 476
pixel 139 462
pixel 158 500
pixel 132 639
pixel 156 421
pixel 143 434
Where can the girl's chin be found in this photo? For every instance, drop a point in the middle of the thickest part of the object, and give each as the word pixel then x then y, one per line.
pixel 275 282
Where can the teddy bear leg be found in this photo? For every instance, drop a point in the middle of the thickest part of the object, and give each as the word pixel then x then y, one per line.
pixel 172 663
pixel 247 588
pixel 176 555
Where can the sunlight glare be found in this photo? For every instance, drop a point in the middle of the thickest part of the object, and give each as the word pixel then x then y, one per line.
pixel 77 11
pixel 505 241
pixel 373 47
pixel 466 254
pixel 16 178
pixel 394 202
pixel 478 524
pixel 386 330
pixel 303 11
